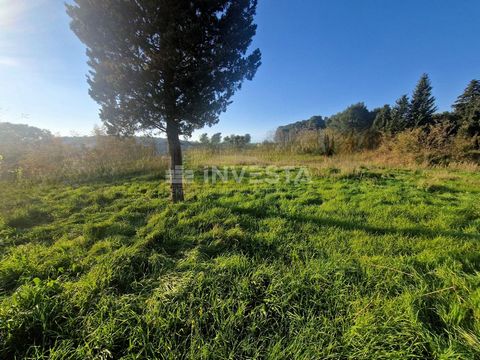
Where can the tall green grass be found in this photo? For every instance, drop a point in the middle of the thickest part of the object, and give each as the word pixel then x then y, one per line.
pixel 366 264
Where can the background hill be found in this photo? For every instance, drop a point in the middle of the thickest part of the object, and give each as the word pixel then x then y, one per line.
pixel 160 144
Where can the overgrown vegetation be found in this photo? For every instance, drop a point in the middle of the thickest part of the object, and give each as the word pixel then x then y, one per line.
pixel 410 129
pixel 373 253
pixel 408 133
pixel 358 263
pixel 29 154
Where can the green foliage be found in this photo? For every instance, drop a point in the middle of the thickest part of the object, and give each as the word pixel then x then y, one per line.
pixel 237 141
pixel 383 120
pixel 443 137
pixel 467 109
pixel 400 115
pixel 363 264
pixel 449 120
pixel 288 133
pixel 216 139
pixel 204 140
pixel 214 142
pixel 311 142
pixel 174 63
pixel 355 118
pixel 422 106
pixel 170 65
pixel 328 144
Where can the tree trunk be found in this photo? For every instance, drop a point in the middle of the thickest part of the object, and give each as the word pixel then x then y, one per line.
pixel 176 162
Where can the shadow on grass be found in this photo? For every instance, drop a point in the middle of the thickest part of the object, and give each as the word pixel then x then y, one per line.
pixel 374 230
pixel 351 225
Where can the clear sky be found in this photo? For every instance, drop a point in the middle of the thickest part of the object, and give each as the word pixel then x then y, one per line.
pixel 319 56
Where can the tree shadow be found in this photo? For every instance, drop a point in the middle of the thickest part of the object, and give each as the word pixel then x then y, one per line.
pixel 350 225
pixel 375 230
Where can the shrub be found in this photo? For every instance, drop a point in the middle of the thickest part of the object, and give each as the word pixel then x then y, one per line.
pixel 466 148
pixel 433 145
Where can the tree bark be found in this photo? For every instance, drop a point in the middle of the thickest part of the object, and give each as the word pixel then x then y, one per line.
pixel 176 162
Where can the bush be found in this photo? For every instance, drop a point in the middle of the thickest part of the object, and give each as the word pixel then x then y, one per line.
pixel 433 145
pixel 329 142
pixel 466 148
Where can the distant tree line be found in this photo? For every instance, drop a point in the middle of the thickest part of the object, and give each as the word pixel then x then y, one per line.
pixel 215 141
pixel 287 133
pixel 358 128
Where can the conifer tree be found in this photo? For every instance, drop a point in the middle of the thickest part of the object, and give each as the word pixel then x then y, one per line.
pixel 167 65
pixel 467 109
pixel 383 119
pixel 422 106
pixel 400 115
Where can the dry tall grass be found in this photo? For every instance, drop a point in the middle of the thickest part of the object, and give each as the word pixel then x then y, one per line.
pixel 421 148
pixel 343 163
pixel 55 161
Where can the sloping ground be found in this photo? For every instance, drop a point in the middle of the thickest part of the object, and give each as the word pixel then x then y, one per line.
pixel 362 266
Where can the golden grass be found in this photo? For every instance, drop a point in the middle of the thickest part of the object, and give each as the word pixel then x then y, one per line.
pixel 319 164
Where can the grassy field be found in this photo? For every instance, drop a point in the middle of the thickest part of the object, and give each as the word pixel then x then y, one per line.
pixel 364 264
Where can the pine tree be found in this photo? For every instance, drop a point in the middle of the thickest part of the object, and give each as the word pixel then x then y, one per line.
pixel 383 119
pixel 422 106
pixel 400 115
pixel 467 109
pixel 166 65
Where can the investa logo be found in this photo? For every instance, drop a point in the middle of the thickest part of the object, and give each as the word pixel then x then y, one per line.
pixel 251 175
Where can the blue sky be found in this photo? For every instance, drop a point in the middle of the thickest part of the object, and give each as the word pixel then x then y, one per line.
pixel 319 56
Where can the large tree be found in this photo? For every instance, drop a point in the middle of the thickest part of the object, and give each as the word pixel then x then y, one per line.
pixel 400 115
pixel 356 118
pixel 383 119
pixel 422 106
pixel 467 109
pixel 167 65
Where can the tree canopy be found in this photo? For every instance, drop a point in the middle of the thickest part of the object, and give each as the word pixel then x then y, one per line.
pixel 288 132
pixel 355 118
pixel 422 106
pixel 401 115
pixel 168 65
pixel 15 138
pixel 237 140
pixel 20 134
pixel 467 109
pixel 383 119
